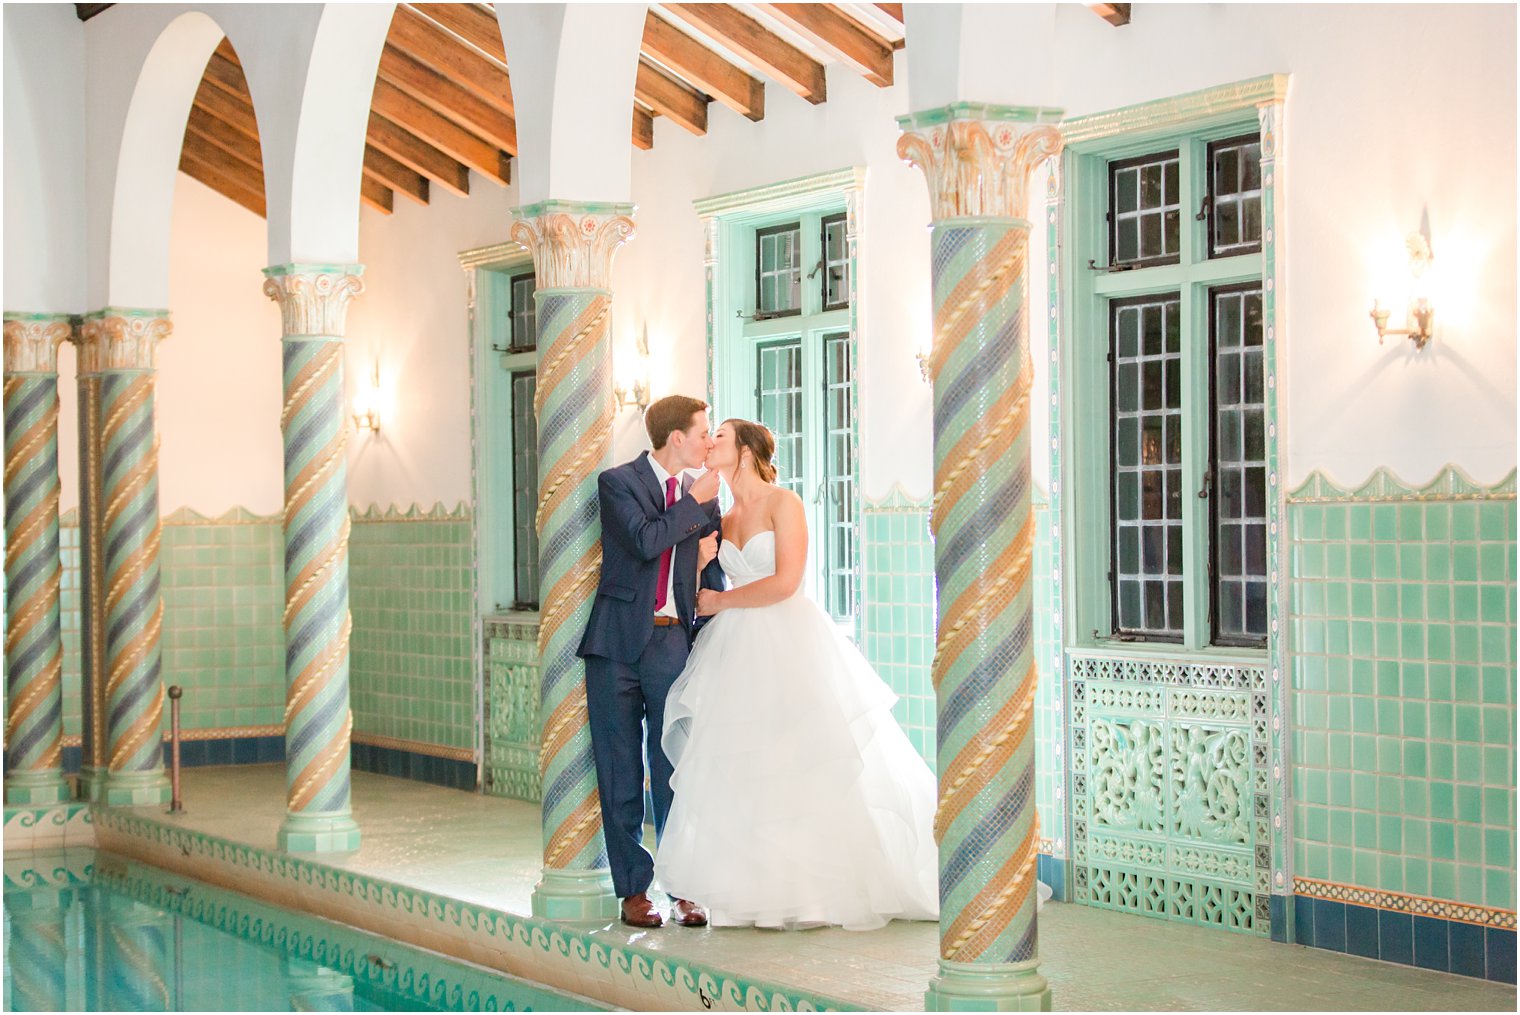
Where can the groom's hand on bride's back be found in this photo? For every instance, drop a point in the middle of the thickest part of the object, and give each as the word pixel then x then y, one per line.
pixel 705 487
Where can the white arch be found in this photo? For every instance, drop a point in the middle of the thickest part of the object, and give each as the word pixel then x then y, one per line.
pixel 573 68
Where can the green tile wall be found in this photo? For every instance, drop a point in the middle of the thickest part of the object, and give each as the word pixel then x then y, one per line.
pixel 1402 619
pixel 1049 775
pixel 223 642
pixel 899 612
pixel 409 591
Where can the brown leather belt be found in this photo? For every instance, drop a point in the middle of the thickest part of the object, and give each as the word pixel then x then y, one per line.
pixel 660 621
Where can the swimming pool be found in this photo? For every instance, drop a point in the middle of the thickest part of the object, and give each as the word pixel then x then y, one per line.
pixel 90 931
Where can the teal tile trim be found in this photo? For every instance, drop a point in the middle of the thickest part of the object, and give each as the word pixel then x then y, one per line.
pixel 406 973
pixel 1451 483
pixel 1399 902
pixel 521 938
pixel 52 827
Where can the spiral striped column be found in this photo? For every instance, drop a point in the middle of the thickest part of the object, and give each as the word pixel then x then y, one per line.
pixel 135 941
pixel 313 303
pixel 37 953
pixel 33 572
pixel 120 347
pixel 984 667
pixel 572 248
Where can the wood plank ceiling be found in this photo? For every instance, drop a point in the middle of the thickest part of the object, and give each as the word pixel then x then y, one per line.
pixel 442 103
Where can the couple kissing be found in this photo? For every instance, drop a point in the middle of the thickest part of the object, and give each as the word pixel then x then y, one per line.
pixel 785 794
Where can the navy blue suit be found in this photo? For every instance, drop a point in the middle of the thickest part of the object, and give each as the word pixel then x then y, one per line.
pixel 631 663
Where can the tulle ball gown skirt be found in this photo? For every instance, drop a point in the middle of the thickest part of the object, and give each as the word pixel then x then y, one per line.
pixel 798 799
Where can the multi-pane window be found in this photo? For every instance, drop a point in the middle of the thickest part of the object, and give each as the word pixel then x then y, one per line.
pixel 778 270
pixel 838 473
pixel 1240 460
pixel 1145 210
pixel 1147 465
pixel 523 315
pixel 1235 196
pixel 836 263
pixel 1176 304
pixel 779 394
pixel 524 489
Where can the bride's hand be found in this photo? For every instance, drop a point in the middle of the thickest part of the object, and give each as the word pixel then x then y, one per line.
pixel 709 601
pixel 707 549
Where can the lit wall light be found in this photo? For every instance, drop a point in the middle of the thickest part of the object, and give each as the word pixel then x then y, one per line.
pixel 367 403
pixel 1420 318
pixel 922 355
pixel 632 387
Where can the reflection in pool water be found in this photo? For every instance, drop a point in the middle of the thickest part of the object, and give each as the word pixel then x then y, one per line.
pixel 90 931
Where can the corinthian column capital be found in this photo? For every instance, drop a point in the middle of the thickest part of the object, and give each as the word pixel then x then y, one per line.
pixel 977 157
pixel 118 339
pixel 32 341
pixel 573 242
pixel 313 298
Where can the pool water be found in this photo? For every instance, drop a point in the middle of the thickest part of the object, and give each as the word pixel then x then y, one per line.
pixel 88 931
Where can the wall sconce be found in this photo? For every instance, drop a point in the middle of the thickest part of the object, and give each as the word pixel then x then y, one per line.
pixel 633 390
pixel 922 356
pixel 367 404
pixel 1420 319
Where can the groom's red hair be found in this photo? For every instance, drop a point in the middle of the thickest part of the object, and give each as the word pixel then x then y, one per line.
pixel 669 414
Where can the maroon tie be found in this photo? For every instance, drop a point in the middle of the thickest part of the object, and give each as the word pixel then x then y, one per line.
pixel 659 594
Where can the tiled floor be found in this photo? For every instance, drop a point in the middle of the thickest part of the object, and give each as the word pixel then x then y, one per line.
pixel 487 851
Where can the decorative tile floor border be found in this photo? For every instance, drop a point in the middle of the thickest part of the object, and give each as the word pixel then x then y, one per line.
pixel 416 747
pixel 36 828
pixel 1448 946
pixel 556 955
pixel 371 959
pixel 1459 912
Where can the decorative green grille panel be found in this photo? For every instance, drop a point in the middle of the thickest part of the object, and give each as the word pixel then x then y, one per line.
pixel 512 694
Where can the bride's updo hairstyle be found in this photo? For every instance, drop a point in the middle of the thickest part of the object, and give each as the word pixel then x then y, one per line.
pixel 761 444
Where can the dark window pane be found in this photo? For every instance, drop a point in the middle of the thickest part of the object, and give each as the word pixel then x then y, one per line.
pixel 778 270
pixel 1144 196
pixel 1236 195
pixel 1239 461
pixel 524 489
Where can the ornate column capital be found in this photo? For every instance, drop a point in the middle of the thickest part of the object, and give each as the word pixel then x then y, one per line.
pixel 572 242
pixel 978 157
pixel 121 339
pixel 32 341
pixel 313 298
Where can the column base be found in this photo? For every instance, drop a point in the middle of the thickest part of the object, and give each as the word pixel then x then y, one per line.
pixel 91 781
pixel 575 896
pixel 36 789
pixel 134 789
pixel 331 832
pixel 975 986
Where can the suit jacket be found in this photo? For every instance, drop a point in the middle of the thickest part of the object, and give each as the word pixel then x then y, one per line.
pixel 636 529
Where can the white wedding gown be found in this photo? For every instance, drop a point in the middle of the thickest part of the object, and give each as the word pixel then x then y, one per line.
pixel 798 799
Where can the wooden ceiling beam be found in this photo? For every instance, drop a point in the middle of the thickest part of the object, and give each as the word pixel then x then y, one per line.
pixel 669 97
pixel 1115 14
pixel 843 38
pixel 761 47
pixel 240 146
pixel 462 105
pixel 385 170
pixel 424 41
pixel 893 11
pixel 643 129
pixel 224 173
pixel 376 195
pixel 444 134
pixel 471 22
pixel 235 113
pixel 704 68
pixel 228 76
pixel 416 154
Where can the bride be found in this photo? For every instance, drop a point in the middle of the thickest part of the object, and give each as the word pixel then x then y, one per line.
pixel 799 801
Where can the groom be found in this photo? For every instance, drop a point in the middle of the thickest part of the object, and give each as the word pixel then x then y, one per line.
pixel 640 632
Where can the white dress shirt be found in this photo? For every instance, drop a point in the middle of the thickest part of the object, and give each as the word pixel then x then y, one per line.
pixel 670 579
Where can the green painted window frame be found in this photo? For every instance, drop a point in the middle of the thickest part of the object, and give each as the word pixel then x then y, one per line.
pixel 735 332
pixel 1090 291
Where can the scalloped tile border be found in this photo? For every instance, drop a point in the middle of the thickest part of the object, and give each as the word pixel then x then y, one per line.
pixel 558 956
pixel 1451 483
pixel 28 829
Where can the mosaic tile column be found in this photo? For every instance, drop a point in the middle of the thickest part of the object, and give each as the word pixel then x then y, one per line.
pixel 978 160
pixel 33 571
pixel 572 245
pixel 134 942
pixel 37 963
pixel 118 349
pixel 313 303
pixel 92 629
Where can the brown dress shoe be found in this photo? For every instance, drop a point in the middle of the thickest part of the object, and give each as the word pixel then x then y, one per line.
pixel 687 914
pixel 638 911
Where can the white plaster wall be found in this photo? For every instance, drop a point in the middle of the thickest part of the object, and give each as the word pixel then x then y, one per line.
pixel 44 158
